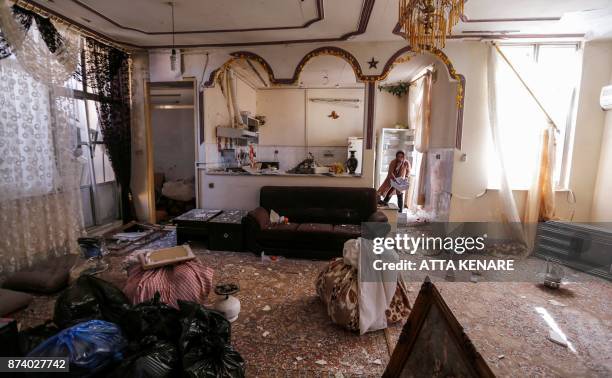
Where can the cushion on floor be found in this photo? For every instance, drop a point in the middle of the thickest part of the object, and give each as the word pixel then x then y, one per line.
pixel 47 277
pixel 187 281
pixel 11 301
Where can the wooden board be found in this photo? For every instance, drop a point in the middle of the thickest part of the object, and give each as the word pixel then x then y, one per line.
pixel 165 256
pixel 433 344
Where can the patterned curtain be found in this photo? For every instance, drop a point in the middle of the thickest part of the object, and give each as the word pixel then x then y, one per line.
pixel 40 200
pixel 107 73
pixel 43 52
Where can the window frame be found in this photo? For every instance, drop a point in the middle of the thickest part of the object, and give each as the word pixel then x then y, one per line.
pixel 569 130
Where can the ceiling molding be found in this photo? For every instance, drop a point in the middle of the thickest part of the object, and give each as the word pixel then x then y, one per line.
pixel 466 19
pixel 320 16
pixel 397 31
pixel 364 18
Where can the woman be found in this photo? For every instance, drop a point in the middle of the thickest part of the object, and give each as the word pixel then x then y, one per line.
pixel 399 168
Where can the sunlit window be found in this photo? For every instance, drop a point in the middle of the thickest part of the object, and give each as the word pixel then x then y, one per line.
pixel 551 71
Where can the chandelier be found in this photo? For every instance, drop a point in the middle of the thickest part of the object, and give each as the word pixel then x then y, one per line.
pixel 427 22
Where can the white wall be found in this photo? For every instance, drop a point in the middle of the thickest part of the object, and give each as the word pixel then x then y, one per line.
pixel 602 205
pixel 285 116
pixel 322 130
pixel 590 119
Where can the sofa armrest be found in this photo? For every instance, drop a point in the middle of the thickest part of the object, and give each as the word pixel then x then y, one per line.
pixel 260 216
pixel 378 216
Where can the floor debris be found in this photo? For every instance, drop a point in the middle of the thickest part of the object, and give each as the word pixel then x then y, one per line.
pixel 555 303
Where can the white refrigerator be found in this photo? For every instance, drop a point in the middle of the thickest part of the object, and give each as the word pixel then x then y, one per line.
pixel 389 142
pixel 356 144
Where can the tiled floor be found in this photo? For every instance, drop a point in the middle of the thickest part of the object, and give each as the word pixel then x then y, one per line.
pixel 296 338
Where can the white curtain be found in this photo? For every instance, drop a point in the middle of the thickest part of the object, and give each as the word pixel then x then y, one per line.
pixel 419 116
pixel 539 203
pixel 40 203
pixel 508 212
pixel 34 55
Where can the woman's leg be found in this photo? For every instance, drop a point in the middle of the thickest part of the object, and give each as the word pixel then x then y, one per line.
pixel 400 201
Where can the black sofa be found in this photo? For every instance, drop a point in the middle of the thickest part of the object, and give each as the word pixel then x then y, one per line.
pixel 321 220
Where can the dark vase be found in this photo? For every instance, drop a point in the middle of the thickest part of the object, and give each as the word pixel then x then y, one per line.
pixel 352 163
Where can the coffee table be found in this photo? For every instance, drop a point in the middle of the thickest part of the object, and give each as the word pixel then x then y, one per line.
pixel 227 231
pixel 193 225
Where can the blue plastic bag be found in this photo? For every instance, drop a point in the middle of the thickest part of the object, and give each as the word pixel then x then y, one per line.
pixel 89 346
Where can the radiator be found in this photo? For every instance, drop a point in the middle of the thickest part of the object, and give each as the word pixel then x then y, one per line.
pixel 582 246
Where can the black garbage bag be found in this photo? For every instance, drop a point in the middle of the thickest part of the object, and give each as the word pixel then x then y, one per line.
pixel 205 343
pixel 31 337
pixel 152 318
pixel 161 359
pixel 90 298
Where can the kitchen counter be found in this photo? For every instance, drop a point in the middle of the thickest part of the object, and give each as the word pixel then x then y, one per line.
pixel 281 174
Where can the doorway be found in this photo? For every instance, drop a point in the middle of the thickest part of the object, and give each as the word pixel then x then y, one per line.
pixel 172 135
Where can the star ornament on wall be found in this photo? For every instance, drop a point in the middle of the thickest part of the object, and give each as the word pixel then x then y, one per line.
pixel 373 63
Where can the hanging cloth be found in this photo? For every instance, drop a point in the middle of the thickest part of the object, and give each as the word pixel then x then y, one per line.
pixel 227 83
pixel 421 116
pixel 43 52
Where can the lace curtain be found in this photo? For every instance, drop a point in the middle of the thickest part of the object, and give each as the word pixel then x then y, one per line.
pixel 44 53
pixel 40 202
pixel 40 207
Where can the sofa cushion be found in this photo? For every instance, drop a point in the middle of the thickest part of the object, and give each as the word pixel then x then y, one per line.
pixel 11 301
pixel 321 215
pixel 347 231
pixel 278 232
pixel 312 204
pixel 315 228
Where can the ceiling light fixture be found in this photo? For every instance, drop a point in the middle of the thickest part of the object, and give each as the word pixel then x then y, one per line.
pixel 426 23
pixel 173 55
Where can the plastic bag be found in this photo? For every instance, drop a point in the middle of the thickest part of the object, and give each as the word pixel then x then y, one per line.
pixel 400 184
pixel 152 318
pixel 89 346
pixel 89 298
pixel 159 360
pixel 205 343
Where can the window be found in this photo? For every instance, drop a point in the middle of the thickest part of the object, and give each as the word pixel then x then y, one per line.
pixel 99 190
pixel 551 71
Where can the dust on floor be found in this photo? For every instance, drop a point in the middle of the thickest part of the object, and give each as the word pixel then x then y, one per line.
pixel 283 329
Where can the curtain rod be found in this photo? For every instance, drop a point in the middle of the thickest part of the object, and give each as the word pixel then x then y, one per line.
pixel 51 15
pixel 428 71
pixel 526 86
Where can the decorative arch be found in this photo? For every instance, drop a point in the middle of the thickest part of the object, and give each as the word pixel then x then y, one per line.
pixel 326 50
pixel 241 55
pixel 368 79
pixel 460 96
